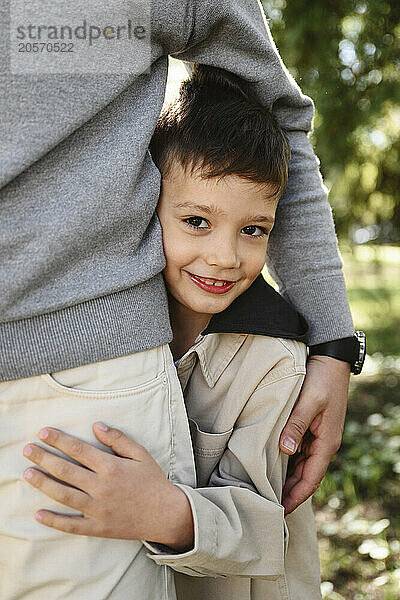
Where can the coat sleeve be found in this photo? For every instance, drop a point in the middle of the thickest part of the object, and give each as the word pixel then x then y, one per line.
pixel 239 526
pixel 303 255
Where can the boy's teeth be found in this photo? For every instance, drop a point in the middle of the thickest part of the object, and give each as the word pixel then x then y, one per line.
pixel 211 282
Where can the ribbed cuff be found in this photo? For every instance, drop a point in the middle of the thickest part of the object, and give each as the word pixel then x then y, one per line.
pixel 325 307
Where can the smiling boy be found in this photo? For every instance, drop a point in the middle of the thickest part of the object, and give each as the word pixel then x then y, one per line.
pixel 239 351
pixel 224 164
pixel 214 256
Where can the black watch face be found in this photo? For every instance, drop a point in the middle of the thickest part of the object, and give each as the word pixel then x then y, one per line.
pixel 362 351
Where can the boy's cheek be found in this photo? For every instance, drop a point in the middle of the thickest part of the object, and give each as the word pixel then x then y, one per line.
pixel 259 265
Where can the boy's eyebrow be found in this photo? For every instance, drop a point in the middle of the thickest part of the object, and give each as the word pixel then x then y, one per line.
pixel 216 211
pixel 210 209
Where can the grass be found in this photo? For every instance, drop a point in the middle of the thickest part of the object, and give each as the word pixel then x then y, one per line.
pixel 357 505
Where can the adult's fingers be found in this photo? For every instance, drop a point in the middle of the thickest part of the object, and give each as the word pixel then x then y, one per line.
pixel 305 480
pixel 303 414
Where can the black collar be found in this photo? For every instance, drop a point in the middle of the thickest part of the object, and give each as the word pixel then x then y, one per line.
pixel 260 310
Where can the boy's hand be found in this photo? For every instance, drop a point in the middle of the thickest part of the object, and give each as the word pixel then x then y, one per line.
pixel 125 496
pixel 317 419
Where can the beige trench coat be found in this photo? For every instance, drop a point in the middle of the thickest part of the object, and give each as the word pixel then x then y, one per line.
pixel 239 391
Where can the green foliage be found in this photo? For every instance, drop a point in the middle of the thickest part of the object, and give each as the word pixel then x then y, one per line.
pixel 357 504
pixel 358 501
pixel 373 279
pixel 368 463
pixel 345 55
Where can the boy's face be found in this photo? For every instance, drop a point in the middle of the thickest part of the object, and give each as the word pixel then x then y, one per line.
pixel 215 235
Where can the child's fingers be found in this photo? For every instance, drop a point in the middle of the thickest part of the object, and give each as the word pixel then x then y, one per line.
pixel 120 443
pixel 68 524
pixel 59 467
pixel 64 494
pixel 84 453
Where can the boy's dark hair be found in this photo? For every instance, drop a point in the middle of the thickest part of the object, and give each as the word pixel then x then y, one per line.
pixel 216 127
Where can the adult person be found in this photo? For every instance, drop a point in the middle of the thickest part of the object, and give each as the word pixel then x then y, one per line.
pixel 82 297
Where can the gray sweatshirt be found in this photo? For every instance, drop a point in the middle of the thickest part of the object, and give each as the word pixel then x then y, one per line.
pixel 80 246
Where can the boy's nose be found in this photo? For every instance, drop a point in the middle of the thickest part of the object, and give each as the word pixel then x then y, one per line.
pixel 223 253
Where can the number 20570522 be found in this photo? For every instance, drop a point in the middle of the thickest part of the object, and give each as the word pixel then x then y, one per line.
pixel 46 47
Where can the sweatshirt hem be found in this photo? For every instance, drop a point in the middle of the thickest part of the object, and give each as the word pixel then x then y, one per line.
pixel 115 325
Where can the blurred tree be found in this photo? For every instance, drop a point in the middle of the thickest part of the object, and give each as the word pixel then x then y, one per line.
pixel 345 55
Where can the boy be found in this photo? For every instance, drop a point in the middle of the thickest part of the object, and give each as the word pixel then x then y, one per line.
pixel 224 165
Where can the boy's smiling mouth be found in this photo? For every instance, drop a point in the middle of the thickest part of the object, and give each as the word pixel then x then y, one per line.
pixel 209 284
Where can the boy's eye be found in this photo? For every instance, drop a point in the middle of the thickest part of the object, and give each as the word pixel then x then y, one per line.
pixel 196 222
pixel 255 231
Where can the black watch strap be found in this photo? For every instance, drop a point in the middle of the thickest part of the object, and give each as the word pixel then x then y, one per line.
pixel 350 349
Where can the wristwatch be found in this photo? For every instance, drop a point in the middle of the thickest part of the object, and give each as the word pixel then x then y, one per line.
pixel 350 349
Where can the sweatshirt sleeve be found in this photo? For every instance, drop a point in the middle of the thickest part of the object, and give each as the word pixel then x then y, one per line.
pixel 303 255
pixel 239 526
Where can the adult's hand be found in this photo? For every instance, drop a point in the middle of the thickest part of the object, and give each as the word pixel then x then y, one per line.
pixel 316 423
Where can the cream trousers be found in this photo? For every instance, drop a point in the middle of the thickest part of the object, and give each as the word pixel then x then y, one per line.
pixel 141 395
